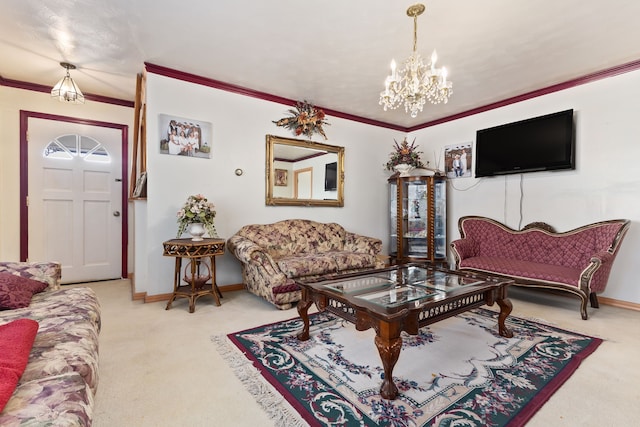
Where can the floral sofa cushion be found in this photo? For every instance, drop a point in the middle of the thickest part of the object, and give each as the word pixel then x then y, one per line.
pixel 61 400
pixel 61 376
pixel 348 261
pixel 274 255
pixel 307 265
pixel 47 272
pixel 292 237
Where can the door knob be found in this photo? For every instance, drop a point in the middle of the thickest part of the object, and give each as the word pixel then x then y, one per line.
pixel 116 213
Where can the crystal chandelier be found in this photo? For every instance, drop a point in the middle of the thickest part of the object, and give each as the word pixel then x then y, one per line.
pixel 415 82
pixel 66 90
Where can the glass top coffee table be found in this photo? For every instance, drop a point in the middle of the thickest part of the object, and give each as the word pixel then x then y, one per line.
pixel 402 298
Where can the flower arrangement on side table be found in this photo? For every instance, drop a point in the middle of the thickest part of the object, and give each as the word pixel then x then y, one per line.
pixel 404 153
pixel 305 120
pixel 197 209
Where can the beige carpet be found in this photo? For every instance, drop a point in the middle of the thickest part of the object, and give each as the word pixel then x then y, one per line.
pixel 160 368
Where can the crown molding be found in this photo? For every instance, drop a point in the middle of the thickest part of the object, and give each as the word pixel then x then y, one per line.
pixel 589 78
pixel 192 78
pixel 217 84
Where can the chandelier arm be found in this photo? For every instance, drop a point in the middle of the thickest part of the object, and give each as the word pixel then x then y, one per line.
pixel 415 32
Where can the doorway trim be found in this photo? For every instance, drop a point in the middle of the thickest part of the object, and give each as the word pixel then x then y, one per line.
pixel 24 173
pixel 296 177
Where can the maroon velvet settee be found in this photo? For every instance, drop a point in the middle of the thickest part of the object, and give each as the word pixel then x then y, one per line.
pixel 577 261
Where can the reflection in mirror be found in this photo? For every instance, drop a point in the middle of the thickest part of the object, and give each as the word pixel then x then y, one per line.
pixel 304 173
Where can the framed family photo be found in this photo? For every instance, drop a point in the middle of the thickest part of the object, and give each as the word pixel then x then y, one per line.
pixel 184 137
pixel 458 160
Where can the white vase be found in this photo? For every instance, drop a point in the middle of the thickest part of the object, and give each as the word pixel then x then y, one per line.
pixel 197 231
pixel 403 168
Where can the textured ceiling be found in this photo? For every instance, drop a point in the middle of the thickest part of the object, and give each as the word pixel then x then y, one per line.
pixel 334 53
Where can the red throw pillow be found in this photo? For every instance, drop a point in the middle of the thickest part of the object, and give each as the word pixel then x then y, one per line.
pixel 16 291
pixel 16 340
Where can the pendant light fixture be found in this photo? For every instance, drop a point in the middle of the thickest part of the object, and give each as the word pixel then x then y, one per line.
pixel 66 90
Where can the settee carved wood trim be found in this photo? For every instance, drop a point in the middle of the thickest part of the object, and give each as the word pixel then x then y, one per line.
pixel 466 248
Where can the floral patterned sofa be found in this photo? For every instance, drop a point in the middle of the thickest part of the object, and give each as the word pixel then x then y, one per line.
pixel 577 261
pixel 60 379
pixel 274 255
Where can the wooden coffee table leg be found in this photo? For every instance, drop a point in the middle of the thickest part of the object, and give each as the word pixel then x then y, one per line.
pixel 303 309
pixel 389 349
pixel 505 308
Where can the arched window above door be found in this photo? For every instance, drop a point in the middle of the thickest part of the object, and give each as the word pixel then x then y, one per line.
pixel 71 146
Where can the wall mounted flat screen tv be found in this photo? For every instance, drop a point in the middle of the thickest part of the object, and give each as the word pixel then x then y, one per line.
pixel 330 176
pixel 537 144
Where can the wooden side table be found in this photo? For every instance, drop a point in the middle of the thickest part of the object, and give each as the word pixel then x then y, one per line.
pixel 195 251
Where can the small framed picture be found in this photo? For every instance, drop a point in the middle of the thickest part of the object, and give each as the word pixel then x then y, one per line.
pixel 140 189
pixel 458 160
pixel 280 177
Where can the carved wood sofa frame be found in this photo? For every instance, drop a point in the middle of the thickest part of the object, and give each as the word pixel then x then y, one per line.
pixel 577 261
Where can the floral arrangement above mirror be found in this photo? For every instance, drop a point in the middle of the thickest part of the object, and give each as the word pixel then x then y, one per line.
pixel 304 120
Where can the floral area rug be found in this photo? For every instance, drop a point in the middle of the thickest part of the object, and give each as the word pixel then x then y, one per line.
pixel 458 372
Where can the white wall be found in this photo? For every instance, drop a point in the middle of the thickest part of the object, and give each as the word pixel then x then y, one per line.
pixel 13 100
pixel 604 185
pixel 240 125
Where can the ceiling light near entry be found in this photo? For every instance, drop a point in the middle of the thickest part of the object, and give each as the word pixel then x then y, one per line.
pixel 66 90
pixel 415 82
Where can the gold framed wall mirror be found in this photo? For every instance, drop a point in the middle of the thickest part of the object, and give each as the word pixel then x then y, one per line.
pixel 303 173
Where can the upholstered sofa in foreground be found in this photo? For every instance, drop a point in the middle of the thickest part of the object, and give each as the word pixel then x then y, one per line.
pixel 60 379
pixel 274 255
pixel 577 261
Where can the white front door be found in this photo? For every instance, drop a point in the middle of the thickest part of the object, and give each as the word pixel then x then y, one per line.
pixel 75 198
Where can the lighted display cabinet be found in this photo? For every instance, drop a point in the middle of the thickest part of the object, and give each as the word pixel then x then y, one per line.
pixel 418 219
